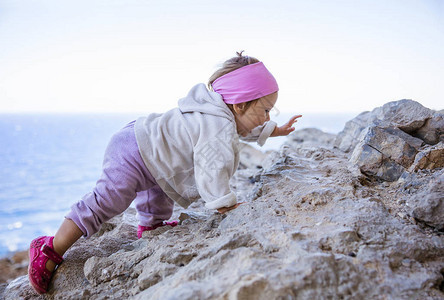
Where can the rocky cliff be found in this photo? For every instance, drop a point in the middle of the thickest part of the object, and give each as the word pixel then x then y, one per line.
pixel 357 215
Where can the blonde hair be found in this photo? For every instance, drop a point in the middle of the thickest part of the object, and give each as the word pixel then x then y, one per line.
pixel 230 65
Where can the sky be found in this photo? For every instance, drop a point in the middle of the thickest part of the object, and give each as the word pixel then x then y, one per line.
pixel 332 56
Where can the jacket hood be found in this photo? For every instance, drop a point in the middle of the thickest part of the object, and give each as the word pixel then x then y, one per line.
pixel 200 99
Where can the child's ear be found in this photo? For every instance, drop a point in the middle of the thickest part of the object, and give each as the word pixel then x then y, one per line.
pixel 239 108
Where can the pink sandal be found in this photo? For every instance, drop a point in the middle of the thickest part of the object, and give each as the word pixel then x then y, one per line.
pixel 40 251
pixel 141 229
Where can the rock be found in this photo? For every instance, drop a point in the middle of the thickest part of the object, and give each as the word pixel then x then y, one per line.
pixel 312 227
pixel 347 139
pixel 384 142
pixel 310 137
pixel 19 288
pixel 13 266
pixel 406 115
pixel 411 140
pixel 382 154
pixel 433 130
pixel 151 276
pixel 250 157
pixel 192 217
pixel 428 205
pixel 431 157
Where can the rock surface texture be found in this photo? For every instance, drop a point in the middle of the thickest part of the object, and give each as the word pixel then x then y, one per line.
pixel 393 138
pixel 316 225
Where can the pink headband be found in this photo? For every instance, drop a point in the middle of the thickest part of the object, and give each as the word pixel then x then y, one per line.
pixel 245 84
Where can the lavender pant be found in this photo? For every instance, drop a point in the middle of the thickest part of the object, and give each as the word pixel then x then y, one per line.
pixel 124 178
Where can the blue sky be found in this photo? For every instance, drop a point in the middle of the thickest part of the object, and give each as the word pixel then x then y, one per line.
pixel 142 56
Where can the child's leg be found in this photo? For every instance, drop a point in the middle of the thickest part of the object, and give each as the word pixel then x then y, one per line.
pixel 124 174
pixel 153 206
pixel 65 237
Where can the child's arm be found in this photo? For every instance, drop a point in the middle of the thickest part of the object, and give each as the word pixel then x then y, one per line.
pixel 214 165
pixel 287 128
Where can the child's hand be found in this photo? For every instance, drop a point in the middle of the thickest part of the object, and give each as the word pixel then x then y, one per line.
pixel 223 210
pixel 287 128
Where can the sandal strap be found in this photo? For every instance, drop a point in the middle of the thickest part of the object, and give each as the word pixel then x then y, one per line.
pixel 51 254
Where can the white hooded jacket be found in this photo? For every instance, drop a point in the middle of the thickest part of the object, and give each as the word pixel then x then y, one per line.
pixel 192 150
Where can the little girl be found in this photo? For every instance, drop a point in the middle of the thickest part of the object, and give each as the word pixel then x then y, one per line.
pixel 187 153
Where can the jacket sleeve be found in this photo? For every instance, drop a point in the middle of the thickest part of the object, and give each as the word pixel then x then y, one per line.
pixel 260 134
pixel 214 165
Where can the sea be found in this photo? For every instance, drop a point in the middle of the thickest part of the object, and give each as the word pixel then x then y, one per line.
pixel 49 161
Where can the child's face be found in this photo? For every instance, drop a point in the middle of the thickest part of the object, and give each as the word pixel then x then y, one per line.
pixel 256 115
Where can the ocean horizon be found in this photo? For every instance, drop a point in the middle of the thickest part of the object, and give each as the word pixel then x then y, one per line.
pixel 49 161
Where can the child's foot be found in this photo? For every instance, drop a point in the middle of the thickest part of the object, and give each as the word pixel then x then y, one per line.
pixel 141 229
pixel 40 252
